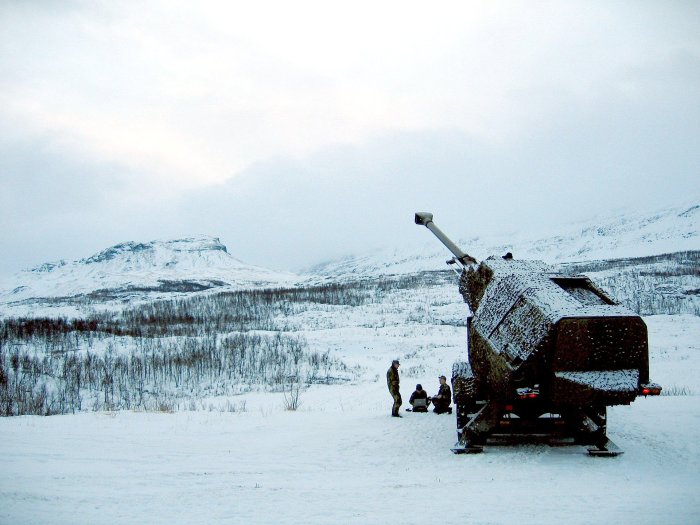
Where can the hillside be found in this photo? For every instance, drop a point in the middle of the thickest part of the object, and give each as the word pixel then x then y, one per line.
pixel 200 323
pixel 622 235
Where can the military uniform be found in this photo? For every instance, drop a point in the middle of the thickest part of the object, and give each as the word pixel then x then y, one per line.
pixel 442 400
pixel 419 394
pixel 392 381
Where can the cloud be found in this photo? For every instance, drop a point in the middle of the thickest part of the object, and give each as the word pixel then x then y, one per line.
pixel 353 199
pixel 300 131
pixel 56 206
pixel 190 95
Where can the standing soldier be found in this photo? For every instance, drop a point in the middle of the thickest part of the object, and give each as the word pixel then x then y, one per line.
pixel 392 381
pixel 442 400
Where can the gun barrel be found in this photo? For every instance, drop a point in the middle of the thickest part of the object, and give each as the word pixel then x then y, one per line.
pixel 426 219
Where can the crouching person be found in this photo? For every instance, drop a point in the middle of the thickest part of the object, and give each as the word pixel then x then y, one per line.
pixel 443 399
pixel 419 399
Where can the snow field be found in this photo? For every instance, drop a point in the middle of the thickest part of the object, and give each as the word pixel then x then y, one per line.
pixel 353 464
pixel 341 459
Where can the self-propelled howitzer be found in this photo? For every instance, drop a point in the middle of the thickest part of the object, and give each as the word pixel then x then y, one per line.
pixel 548 353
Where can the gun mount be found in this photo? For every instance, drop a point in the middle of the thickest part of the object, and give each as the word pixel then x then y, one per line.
pixel 547 354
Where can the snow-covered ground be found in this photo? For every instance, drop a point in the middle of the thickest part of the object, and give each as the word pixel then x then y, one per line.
pixel 341 459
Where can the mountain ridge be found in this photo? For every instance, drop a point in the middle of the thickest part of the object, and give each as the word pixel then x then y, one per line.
pixel 624 235
pixel 156 269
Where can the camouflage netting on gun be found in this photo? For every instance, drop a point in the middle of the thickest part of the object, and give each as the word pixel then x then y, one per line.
pixel 531 322
pixel 472 284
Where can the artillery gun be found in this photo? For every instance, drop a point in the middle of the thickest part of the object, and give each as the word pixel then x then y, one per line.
pixel 548 353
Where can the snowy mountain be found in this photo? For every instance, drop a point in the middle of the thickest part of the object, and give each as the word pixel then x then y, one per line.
pixel 159 269
pixel 149 269
pixel 624 235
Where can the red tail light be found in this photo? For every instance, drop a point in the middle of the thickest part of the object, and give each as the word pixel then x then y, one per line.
pixel 650 390
pixel 529 392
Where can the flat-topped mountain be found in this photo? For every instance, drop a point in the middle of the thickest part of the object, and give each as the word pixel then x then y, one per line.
pixel 132 269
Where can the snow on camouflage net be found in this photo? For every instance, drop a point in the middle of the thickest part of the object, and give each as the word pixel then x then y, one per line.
pixel 533 325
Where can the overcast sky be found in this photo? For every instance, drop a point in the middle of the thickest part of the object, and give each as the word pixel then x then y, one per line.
pixel 302 131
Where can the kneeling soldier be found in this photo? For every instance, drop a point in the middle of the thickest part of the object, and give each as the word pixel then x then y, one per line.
pixel 443 399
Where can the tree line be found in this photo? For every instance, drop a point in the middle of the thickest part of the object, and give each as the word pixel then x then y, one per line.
pixel 158 355
pixel 154 355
